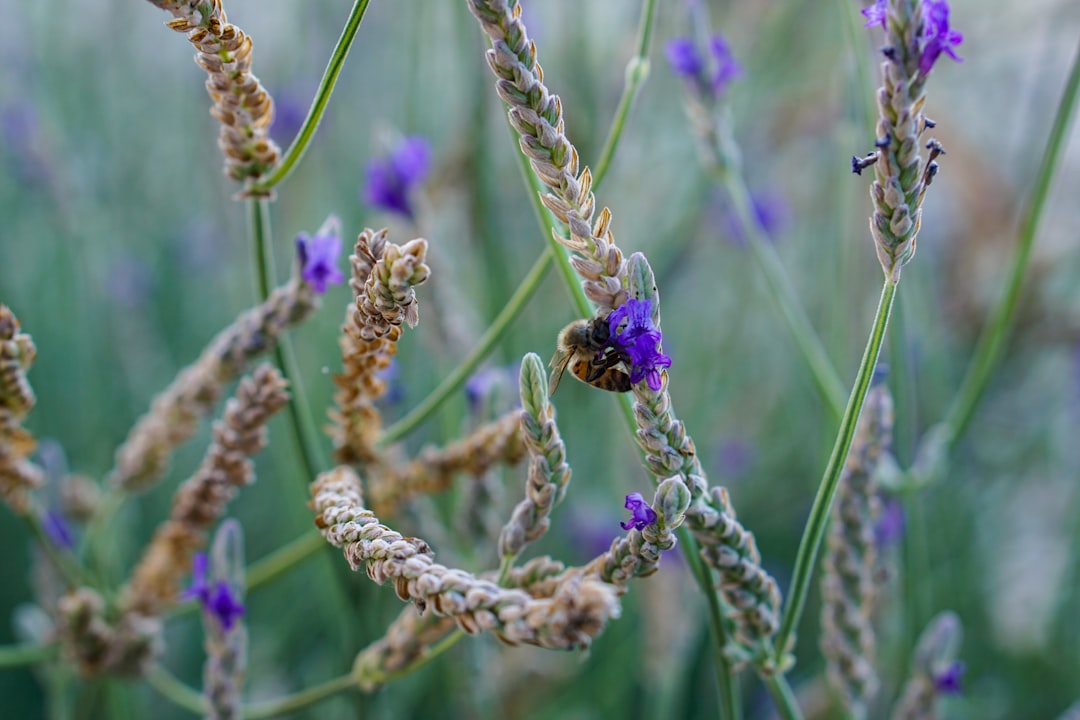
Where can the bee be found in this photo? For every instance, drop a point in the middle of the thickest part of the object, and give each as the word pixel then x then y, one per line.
pixel 584 346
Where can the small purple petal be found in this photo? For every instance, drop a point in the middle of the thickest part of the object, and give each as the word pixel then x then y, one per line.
pixel 727 69
pixel 318 259
pixel 948 681
pixel 890 526
pixel 223 606
pixel 57 528
pixel 199 589
pixel 641 514
pixel 684 58
pixel 638 341
pixel 875 14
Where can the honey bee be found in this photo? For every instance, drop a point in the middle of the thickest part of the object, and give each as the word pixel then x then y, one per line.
pixel 584 347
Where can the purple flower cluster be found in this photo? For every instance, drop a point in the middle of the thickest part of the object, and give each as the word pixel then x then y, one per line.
pixel 318 260
pixel 641 514
pixel 638 342
pixel 390 180
pixel 217 599
pixel 687 62
pixel 937 36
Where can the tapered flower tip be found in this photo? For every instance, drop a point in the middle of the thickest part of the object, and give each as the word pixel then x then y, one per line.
pixel 391 179
pixel 641 514
pixel 319 256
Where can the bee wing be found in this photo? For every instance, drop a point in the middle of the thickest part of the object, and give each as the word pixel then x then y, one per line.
pixel 558 366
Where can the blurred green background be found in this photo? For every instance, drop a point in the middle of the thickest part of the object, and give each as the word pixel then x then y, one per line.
pixel 122 251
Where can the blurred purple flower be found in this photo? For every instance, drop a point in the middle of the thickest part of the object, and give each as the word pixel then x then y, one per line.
pixel 770 212
pixel 395 390
pixel 483 383
pixel 641 514
pixel 19 135
pixel 217 600
pixel 639 341
pixel 948 681
pixel 890 526
pixel 875 14
pixel 290 111
pixel 735 457
pixel 131 281
pixel 58 530
pixel 688 63
pixel 318 259
pixel 391 179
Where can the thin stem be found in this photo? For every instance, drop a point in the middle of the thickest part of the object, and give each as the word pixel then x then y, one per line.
pixel 991 342
pixel 637 70
pixel 300 422
pixel 65 564
pixel 310 696
pixel 819 513
pixel 435 651
pixel 26 654
pixel 318 106
pixel 730 705
pixel 284 558
pixel 173 689
pixel 783 696
pixel 779 286
pixel 456 379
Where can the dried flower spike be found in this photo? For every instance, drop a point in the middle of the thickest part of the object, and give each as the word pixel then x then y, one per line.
pixel 18 476
pixel 241 104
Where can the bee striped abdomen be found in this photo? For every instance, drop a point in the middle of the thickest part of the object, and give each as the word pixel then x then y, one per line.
pixel 611 379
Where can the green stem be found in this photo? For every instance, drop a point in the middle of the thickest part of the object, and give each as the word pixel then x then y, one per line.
pixel 435 651
pixel 180 694
pixel 991 342
pixel 318 106
pixel 454 381
pixel 819 513
pixel 300 421
pixel 730 705
pixel 26 654
pixel 291 703
pixel 637 70
pixel 783 696
pixel 779 286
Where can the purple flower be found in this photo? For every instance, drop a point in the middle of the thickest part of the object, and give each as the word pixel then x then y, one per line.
pixel 638 341
pixel 948 681
pixel 889 528
pixel 684 58
pixel 318 259
pixel 391 179
pixel 875 14
pixel 58 530
pixel 217 600
pixel 640 513
pixel 770 213
pixel 687 62
pixel 939 37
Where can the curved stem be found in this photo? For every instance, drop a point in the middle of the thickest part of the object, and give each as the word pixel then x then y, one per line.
pixel 779 287
pixel 454 381
pixel 783 696
pixel 27 654
pixel 637 69
pixel 318 106
pixel 435 651
pixel 819 513
pixel 991 342
pixel 277 708
pixel 180 694
pixel 300 421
